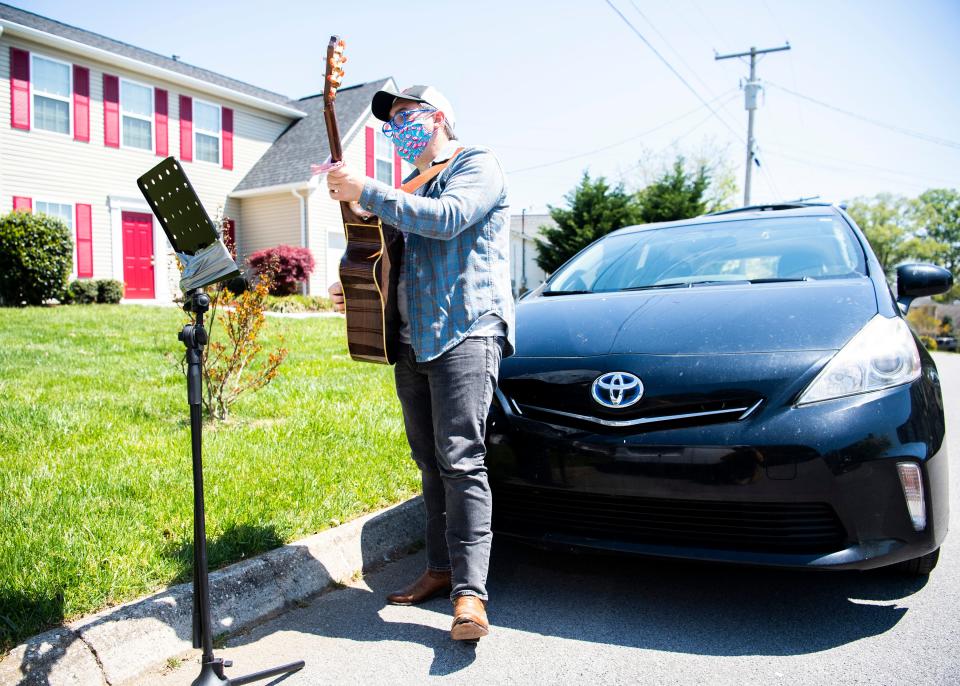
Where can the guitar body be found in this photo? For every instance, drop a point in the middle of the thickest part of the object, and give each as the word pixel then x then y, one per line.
pixel 370 266
pixel 369 274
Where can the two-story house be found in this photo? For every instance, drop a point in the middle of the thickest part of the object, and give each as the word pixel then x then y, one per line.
pixel 82 116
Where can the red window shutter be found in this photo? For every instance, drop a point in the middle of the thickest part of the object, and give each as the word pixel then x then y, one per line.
pixel 226 126
pixel 19 89
pixel 186 128
pixel 22 203
pixel 81 104
pixel 397 174
pixel 371 161
pixel 111 111
pixel 84 242
pixel 160 120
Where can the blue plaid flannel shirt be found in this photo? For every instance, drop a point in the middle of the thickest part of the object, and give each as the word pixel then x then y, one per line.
pixel 456 252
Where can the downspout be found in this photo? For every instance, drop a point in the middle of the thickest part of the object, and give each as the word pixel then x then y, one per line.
pixel 305 288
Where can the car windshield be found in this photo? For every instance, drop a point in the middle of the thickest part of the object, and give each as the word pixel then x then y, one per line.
pixel 750 250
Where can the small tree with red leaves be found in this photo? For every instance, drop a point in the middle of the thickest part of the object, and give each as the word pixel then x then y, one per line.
pixel 286 265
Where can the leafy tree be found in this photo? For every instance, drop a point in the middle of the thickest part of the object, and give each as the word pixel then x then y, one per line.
pixel 888 221
pixel 594 209
pixel 677 194
pixel 937 215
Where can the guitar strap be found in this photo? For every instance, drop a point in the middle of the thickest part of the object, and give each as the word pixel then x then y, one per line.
pixel 418 181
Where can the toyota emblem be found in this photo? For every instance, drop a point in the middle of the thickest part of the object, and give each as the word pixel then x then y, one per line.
pixel 617 389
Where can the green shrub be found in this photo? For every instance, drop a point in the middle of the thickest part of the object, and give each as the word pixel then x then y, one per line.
pixel 36 253
pixel 109 291
pixel 82 292
pixel 929 342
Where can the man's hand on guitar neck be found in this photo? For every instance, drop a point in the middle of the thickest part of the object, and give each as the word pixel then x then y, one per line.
pixel 344 185
pixel 336 295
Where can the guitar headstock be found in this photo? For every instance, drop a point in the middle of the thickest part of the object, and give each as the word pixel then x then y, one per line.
pixel 334 75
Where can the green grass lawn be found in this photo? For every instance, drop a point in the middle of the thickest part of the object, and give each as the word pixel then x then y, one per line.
pixel 95 466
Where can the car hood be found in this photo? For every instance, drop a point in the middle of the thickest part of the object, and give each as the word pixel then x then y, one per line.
pixel 736 318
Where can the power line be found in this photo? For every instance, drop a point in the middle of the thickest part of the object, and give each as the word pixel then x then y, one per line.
pixel 842 167
pixel 722 106
pixel 909 174
pixel 728 94
pixel 876 122
pixel 671 143
pixel 671 68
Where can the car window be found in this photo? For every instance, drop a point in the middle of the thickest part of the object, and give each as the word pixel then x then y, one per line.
pixel 774 248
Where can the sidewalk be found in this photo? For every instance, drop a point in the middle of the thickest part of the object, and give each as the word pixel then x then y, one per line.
pixel 127 641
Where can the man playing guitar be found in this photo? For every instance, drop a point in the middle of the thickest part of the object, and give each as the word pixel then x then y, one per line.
pixel 457 321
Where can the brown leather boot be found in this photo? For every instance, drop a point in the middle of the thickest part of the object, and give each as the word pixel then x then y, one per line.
pixel 430 585
pixel 469 619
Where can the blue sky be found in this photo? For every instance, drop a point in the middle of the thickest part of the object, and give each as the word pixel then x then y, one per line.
pixel 540 82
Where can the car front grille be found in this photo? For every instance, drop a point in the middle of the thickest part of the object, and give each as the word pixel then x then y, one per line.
pixel 646 416
pixel 747 526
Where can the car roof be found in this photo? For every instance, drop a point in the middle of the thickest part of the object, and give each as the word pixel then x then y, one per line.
pixel 739 214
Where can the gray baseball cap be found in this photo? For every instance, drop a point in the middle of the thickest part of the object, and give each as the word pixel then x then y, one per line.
pixel 428 95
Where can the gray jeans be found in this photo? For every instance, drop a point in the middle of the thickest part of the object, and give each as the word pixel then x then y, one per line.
pixel 445 403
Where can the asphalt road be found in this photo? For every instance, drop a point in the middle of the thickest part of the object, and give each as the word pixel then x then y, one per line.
pixel 561 619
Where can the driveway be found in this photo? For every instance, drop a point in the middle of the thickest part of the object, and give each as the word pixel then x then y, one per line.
pixel 560 619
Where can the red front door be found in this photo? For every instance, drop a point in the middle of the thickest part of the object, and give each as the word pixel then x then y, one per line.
pixel 138 255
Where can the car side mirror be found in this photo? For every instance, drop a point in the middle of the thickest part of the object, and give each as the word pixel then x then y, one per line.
pixel 915 280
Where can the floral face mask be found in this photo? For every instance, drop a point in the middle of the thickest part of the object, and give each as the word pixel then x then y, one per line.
pixel 410 138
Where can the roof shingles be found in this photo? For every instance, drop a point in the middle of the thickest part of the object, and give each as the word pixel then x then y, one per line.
pixel 305 142
pixel 56 28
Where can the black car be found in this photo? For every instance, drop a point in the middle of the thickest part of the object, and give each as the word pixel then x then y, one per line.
pixel 739 387
pixel 947 343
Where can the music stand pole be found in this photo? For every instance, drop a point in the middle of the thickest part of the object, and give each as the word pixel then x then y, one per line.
pixel 194 337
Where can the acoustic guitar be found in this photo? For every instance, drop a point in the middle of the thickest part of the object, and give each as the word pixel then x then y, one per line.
pixel 370 267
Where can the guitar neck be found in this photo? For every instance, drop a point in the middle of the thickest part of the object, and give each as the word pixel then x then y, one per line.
pixel 333 134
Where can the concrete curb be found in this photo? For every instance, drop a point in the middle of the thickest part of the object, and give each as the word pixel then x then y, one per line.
pixel 120 643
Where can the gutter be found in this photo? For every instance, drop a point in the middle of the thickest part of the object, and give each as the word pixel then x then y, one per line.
pixel 102 55
pixel 270 190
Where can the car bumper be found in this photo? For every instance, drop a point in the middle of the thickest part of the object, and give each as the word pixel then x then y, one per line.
pixel 814 486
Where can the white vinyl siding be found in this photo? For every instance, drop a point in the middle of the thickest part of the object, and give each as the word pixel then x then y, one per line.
pixel 206 131
pixel 52 89
pixel 383 156
pixel 136 112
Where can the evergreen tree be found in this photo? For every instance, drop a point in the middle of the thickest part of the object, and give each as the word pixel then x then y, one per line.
pixel 677 194
pixel 594 210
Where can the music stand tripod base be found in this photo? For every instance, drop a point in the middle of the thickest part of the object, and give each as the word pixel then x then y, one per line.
pixel 188 227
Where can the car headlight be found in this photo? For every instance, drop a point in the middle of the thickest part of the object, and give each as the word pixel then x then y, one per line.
pixel 881 355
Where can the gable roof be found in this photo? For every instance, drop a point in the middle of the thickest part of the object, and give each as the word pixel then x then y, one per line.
pixel 305 142
pixel 26 24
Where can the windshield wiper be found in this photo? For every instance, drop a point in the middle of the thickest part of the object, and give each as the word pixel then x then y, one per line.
pixel 565 292
pixel 800 278
pixel 681 284
pixel 714 282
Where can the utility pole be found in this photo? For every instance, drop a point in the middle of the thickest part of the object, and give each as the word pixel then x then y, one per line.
pixel 750 91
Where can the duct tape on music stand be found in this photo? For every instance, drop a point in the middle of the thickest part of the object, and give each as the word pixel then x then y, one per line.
pixel 187 225
pixel 206 266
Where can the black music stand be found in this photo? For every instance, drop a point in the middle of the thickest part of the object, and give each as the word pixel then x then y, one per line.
pixel 190 231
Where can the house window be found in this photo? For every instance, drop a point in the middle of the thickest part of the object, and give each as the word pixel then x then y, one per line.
pixel 52 87
pixel 136 108
pixel 61 212
pixel 206 131
pixel 383 154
